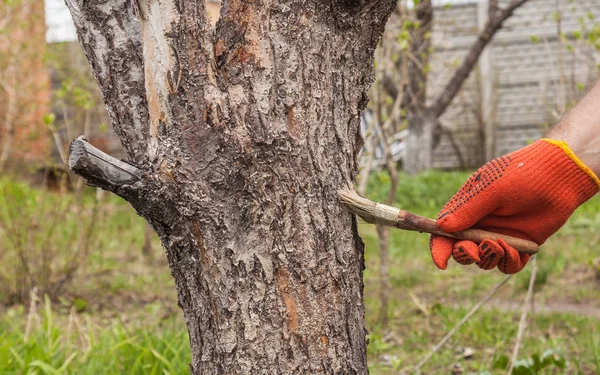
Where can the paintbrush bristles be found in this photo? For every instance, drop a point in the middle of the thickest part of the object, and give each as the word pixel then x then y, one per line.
pixel 369 211
pixel 361 206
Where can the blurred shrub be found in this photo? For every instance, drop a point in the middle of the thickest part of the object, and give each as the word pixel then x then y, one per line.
pixel 44 239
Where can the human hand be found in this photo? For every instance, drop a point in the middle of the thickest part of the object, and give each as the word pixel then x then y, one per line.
pixel 529 194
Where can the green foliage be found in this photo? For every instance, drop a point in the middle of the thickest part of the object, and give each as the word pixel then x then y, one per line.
pixel 377 345
pixel 43 239
pixel 448 295
pixel 80 96
pixel 556 16
pixel 57 347
pixel 11 3
pixel 595 348
pixel 551 358
pixel 76 337
pixel 46 238
pixel 587 34
pixel 80 304
pixel 49 119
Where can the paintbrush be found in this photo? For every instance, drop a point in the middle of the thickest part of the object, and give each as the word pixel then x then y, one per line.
pixel 381 214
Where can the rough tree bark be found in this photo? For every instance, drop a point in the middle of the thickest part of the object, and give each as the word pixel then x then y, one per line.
pixel 240 138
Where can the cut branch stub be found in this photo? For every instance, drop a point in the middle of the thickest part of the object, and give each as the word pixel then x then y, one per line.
pixel 125 180
pixel 99 168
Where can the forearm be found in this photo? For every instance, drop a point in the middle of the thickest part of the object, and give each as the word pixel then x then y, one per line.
pixel 580 129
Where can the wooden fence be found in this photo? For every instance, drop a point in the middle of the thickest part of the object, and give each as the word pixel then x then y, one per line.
pixel 524 80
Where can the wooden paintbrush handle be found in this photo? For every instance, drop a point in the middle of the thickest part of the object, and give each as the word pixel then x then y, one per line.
pixel 408 220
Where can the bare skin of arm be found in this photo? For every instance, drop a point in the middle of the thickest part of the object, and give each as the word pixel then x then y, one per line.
pixel 580 129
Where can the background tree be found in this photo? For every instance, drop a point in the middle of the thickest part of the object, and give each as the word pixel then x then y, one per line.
pixel 241 137
pixel 399 101
pixel 422 114
pixel 383 128
pixel 23 81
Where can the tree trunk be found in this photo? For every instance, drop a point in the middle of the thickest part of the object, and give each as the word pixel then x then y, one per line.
pixel 419 144
pixel 6 139
pixel 420 139
pixel 241 137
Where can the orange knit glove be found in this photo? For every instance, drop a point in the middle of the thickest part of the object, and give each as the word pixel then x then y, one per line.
pixel 529 194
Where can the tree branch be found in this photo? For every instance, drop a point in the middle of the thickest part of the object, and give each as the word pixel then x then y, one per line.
pixel 455 147
pixel 100 169
pixel 125 180
pixel 111 40
pixel 142 53
pixel 523 321
pixel 461 75
pixel 388 84
pixel 418 55
pixel 492 9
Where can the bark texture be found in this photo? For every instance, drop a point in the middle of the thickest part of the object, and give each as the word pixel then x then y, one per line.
pixel 244 134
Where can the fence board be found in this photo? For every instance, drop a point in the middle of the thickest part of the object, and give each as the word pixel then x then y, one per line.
pixel 532 75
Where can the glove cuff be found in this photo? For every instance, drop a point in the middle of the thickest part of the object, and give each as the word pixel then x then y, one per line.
pixel 567 150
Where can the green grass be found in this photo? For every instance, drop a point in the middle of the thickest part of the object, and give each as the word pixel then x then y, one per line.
pixel 567 278
pixel 75 345
pixel 107 320
pixel 89 247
